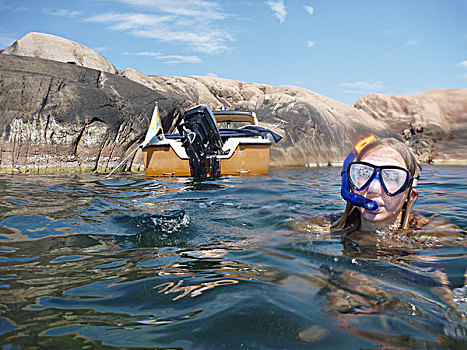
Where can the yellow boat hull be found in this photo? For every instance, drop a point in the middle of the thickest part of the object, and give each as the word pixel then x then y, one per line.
pixel 162 160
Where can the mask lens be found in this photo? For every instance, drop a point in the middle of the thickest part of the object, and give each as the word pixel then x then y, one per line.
pixel 394 179
pixel 360 174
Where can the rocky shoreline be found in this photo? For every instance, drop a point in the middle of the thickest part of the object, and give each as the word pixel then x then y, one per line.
pixel 70 110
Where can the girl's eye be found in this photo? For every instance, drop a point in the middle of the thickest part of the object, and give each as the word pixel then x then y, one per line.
pixel 391 176
pixel 365 172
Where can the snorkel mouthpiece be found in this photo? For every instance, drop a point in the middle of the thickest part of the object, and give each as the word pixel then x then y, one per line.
pixel 361 201
pixel 351 197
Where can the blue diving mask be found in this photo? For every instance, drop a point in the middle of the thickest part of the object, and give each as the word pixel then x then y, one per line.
pixel 393 179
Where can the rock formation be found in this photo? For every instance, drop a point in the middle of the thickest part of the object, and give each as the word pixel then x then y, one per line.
pixel 87 115
pixel 316 129
pixel 54 48
pixel 434 122
pixel 54 114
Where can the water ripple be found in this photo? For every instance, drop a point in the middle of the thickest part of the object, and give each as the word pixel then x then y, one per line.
pixel 236 262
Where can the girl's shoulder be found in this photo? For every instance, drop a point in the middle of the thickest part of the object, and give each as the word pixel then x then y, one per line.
pixel 417 221
pixel 435 222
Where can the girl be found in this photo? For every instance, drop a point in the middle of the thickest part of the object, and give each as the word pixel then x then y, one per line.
pixel 378 183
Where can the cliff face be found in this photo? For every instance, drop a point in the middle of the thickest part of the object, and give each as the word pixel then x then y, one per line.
pixel 58 114
pixel 66 115
pixel 434 122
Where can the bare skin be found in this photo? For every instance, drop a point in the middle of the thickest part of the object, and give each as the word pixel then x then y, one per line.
pixel 389 213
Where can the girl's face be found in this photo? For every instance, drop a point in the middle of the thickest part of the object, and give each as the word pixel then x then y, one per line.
pixel 390 207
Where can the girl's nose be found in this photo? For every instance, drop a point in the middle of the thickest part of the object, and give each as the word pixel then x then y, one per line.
pixel 375 186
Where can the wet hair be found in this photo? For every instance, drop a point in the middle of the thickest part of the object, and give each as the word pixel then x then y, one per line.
pixel 350 220
pixel 405 151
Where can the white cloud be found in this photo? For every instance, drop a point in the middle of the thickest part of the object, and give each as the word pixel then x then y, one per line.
pixel 412 42
pixel 278 8
pixel 180 59
pixel 143 53
pixel 213 75
pixel 61 13
pixel 101 49
pixel 364 85
pixel 129 21
pixel 168 58
pixel 360 87
pixel 309 9
pixel 4 7
pixel 187 8
pixel 310 44
pixel 190 22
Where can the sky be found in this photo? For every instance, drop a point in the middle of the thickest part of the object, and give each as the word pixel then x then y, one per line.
pixel 342 49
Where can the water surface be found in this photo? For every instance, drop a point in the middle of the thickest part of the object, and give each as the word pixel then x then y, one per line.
pixel 231 263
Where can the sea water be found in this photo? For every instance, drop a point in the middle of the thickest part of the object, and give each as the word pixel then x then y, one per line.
pixel 236 262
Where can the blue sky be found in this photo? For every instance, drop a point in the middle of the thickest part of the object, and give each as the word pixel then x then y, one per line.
pixel 342 49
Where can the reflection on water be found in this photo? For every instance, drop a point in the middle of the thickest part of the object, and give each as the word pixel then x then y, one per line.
pixel 236 262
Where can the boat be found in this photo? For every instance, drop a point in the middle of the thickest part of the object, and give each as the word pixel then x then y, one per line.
pixel 201 148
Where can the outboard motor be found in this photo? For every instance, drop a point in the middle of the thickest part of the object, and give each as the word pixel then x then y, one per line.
pixel 201 140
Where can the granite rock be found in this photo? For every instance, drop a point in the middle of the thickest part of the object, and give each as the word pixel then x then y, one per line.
pixel 64 106
pixel 434 123
pixel 54 114
pixel 317 130
pixel 51 47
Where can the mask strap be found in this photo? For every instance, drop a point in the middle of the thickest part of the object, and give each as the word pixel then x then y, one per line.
pixel 409 203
